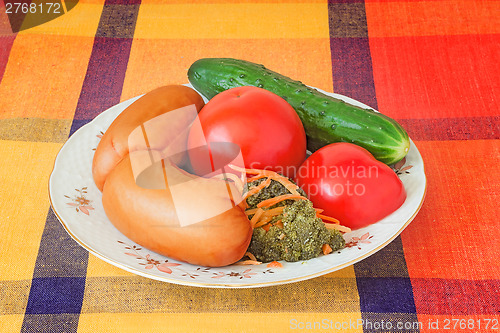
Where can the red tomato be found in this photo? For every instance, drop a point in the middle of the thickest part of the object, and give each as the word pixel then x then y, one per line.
pixel 350 184
pixel 264 126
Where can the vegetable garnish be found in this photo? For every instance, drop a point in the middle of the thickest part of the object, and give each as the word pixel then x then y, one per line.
pixel 257 188
pixel 272 175
pixel 335 225
pixel 274 264
pixel 327 218
pixel 251 256
pixel 291 187
pixel 263 215
pixel 338 227
pixel 250 261
pixel 254 178
pixel 275 200
pixel 256 217
pixel 326 249
pixel 251 211
pixel 262 222
pixel 285 223
pixel 273 212
pixel 267 220
pixel 301 236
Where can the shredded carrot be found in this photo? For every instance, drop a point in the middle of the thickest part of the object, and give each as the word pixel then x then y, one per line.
pixel 338 227
pixel 326 249
pixel 262 217
pixel 248 262
pixel 251 211
pixel 291 187
pixel 279 224
pixel 257 188
pixel 274 211
pixel 275 200
pixel 264 220
pixel 254 178
pixel 328 218
pixel 256 216
pixel 274 264
pixel 251 256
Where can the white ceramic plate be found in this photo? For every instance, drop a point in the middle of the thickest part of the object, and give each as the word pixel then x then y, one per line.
pixel 76 202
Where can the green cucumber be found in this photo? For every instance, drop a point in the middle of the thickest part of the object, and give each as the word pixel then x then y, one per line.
pixel 326 119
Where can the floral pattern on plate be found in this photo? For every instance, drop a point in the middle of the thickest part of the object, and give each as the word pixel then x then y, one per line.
pixel 80 202
pixel 149 262
pixel 357 241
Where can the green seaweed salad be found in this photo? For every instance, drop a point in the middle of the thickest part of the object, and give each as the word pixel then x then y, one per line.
pixel 293 234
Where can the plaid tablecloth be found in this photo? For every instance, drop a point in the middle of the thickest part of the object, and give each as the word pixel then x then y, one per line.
pixel 432 65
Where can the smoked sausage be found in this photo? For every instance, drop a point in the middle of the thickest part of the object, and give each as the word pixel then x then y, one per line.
pixel 158 205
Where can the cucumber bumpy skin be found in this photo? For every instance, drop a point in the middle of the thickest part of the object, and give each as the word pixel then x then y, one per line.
pixel 326 119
